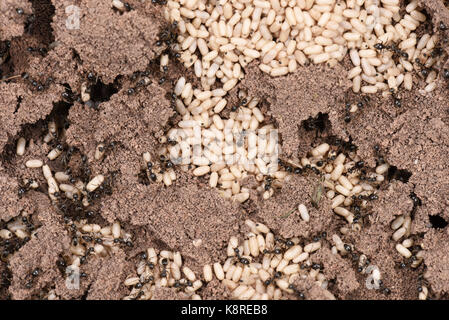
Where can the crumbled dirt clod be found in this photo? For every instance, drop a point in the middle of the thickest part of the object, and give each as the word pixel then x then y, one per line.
pixel 129 46
pixel 11 22
pixel 435 243
pixel 305 93
pixel 191 204
pixel 280 212
pixel 112 274
pixel 10 198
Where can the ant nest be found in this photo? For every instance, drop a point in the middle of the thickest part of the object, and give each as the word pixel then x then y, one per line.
pixel 219 39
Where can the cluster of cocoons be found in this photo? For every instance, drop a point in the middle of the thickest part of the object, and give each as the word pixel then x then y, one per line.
pixel 92 239
pixel 342 181
pixel 350 195
pixel 226 150
pixel 14 234
pixel 61 181
pixel 261 266
pixel 87 239
pixel 221 37
pixel 404 239
pixel 162 269
pixel 15 227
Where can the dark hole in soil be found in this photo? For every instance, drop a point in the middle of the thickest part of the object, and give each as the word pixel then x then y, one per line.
pixel 318 123
pixel 6 66
pixel 5 282
pixel 437 222
pixel 402 175
pixel 101 92
pixel 39 23
pixel 60 113
pixel 143 178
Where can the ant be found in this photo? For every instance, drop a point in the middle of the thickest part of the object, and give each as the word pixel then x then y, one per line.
pixel 446 74
pixel 30 23
pixel 65 159
pixel 68 95
pixel 164 263
pixel 392 48
pixel 239 258
pixel 23 188
pixel 342 146
pixel 107 148
pixel 424 70
pixel 168 35
pixel 397 101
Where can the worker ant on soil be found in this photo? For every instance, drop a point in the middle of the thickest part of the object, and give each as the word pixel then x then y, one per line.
pixel 396 100
pixel 317 123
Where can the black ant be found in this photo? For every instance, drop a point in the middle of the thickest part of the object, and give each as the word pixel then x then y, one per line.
pixel 392 48
pixel 143 177
pixel 107 148
pixel 239 258
pixel 436 52
pixel 424 70
pixel 168 35
pixel 397 101
pixel 342 146
pixel 317 123
pixel 446 74
pixel 68 95
pixel 91 77
pixel 23 188
pixel 42 51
